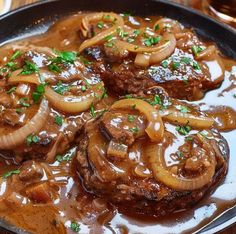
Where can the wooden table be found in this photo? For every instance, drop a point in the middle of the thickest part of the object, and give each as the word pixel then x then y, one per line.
pixel 193 3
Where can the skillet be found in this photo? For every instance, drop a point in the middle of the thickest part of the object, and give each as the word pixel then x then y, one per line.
pixel 36 18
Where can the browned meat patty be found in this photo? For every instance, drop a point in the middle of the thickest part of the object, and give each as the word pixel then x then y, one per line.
pixel 125 177
pixel 181 74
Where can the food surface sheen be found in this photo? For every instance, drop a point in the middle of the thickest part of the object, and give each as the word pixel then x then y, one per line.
pixel 113 123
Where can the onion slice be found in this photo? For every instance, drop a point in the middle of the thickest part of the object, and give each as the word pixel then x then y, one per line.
pixel 13 139
pixel 115 18
pixel 155 128
pixel 69 104
pixel 201 122
pixel 96 153
pixel 162 174
pixel 167 40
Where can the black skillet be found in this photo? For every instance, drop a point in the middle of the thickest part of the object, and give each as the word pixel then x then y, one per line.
pixel 36 18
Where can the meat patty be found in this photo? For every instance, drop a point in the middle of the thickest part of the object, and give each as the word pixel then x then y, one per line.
pixel 181 71
pixel 129 181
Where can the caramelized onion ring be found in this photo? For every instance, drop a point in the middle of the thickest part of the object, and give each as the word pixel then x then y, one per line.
pixel 155 128
pixel 161 173
pixel 201 122
pixel 118 20
pixel 69 104
pixel 13 139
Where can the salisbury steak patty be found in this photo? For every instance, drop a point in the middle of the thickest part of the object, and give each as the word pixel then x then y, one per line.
pixel 120 159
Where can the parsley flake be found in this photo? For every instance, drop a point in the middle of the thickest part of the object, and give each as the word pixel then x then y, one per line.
pixel 75 227
pixel 58 120
pixel 29 68
pixel 10 173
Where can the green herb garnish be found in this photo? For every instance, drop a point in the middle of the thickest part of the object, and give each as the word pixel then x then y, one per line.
pixel 131 118
pixel 156 101
pixel 157 27
pixel 183 130
pixel 58 120
pixel 32 139
pixel 38 93
pixel 67 156
pixel 15 55
pixel 23 102
pixel 196 50
pixel 29 68
pixel 164 64
pixel 10 173
pixel 183 109
pixel 134 129
pixel 100 25
pixel 61 88
pixel 92 111
pixel 75 227
pixel 176 65
pixel 152 41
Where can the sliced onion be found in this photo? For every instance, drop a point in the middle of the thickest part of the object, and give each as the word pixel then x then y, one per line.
pixel 206 53
pixel 69 104
pixel 118 21
pixel 167 39
pixel 142 60
pixel 201 122
pixel 117 150
pixel 17 137
pixel 155 128
pixel 96 153
pixel 165 52
pixel 164 175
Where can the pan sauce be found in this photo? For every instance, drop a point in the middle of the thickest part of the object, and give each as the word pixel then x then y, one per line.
pixel 95 215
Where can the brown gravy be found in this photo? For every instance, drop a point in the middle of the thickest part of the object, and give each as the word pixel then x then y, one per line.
pixel 97 216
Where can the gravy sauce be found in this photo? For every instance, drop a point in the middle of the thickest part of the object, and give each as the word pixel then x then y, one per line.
pixel 95 215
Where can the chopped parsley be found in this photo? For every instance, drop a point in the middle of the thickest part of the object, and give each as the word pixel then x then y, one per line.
pixel 67 156
pixel 29 68
pixel 104 94
pixel 19 110
pixel 136 32
pixel 176 65
pixel 83 88
pixel 58 120
pixel 131 118
pixel 61 88
pixel 234 95
pixel 151 41
pixel 108 38
pixel 54 68
pixel 32 139
pixel 186 60
pixel 11 90
pixel 134 129
pixel 197 49
pixel 157 27
pixel 109 44
pixel 196 66
pixel 15 55
pixel 164 64
pixel 12 66
pixel 23 102
pixel 75 227
pixel 183 130
pixel 157 101
pixel 100 25
pixel 183 109
pixel 122 33
pixel 189 138
pixel 106 17
pixel 126 14
pixel 92 111
pixel 38 93
pixel 10 173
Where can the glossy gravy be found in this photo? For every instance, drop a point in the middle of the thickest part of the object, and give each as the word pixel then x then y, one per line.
pixel 97 216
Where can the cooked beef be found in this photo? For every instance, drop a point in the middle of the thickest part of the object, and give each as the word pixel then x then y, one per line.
pixel 179 72
pixel 115 180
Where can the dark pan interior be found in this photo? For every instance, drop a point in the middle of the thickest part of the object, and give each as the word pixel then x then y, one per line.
pixel 36 18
